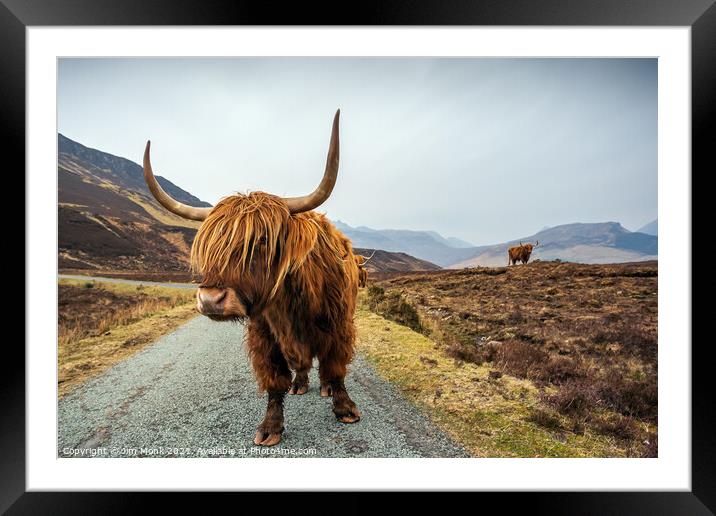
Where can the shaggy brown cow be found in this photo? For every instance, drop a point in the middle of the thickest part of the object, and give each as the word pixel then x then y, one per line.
pixel 290 275
pixel 520 253
pixel 362 271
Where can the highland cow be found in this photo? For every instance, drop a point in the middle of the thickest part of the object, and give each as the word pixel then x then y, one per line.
pixel 290 275
pixel 362 271
pixel 520 253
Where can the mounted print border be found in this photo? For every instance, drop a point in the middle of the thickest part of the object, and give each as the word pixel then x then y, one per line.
pixel 17 16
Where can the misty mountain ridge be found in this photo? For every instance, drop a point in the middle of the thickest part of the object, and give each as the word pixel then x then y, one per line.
pixel 652 228
pixel 426 245
pixel 449 241
pixel 601 242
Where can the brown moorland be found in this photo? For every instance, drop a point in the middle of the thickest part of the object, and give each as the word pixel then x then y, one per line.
pixel 584 335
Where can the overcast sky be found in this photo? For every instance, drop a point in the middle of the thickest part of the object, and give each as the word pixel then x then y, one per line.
pixel 482 149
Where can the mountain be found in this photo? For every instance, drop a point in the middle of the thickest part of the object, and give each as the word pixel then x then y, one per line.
pixel 384 261
pixel 450 241
pixel 121 171
pixel 605 242
pixel 426 245
pixel 107 219
pixel 652 228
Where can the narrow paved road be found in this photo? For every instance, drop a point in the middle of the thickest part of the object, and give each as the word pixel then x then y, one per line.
pixel 192 393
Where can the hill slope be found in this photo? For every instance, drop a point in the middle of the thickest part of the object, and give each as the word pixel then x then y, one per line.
pixel 121 172
pixel 107 219
pixel 384 261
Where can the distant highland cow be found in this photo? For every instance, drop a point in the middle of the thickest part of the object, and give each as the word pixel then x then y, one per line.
pixel 290 275
pixel 362 271
pixel 520 253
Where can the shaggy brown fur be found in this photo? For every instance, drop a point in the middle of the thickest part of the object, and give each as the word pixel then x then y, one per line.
pixel 520 253
pixel 362 271
pixel 294 278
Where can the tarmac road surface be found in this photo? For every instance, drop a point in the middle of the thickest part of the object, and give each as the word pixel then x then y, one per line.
pixel 193 394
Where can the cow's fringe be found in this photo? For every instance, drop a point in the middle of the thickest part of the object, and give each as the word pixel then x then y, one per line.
pixel 225 244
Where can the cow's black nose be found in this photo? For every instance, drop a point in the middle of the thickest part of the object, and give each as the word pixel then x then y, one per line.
pixel 210 300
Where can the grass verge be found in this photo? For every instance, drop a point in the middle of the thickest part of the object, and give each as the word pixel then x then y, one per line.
pixel 103 323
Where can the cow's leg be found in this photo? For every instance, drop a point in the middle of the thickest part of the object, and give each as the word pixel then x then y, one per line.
pixel 273 376
pixel 300 381
pixel 325 390
pixel 332 371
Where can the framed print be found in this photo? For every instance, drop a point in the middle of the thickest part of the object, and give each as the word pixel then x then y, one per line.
pixel 445 249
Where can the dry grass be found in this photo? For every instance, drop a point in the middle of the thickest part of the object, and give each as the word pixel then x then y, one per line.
pixel 102 323
pixel 394 307
pixel 489 414
pixel 584 335
pixel 137 275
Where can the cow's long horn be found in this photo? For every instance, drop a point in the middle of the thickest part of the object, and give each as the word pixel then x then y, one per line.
pixel 181 209
pixel 371 256
pixel 320 194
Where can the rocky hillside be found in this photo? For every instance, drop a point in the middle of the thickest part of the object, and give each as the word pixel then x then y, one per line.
pixel 107 219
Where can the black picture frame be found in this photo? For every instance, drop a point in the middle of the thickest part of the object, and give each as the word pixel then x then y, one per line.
pixel 700 15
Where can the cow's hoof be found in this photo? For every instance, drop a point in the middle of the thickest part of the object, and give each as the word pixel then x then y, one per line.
pixel 298 389
pixel 266 439
pixel 326 391
pixel 348 414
